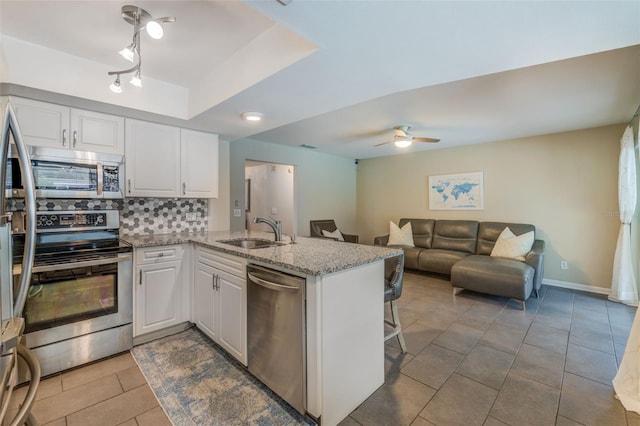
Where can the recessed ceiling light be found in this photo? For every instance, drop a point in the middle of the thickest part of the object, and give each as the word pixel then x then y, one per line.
pixel 252 116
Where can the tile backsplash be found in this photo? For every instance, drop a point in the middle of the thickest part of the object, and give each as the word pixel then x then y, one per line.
pixel 144 216
pixel 138 216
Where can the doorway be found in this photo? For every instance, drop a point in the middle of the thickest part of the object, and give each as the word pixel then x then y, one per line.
pixel 269 192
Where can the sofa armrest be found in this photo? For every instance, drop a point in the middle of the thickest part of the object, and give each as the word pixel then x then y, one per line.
pixel 350 238
pixel 535 258
pixel 381 241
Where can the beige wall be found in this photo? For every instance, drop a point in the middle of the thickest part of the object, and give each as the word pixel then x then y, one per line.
pixel 565 184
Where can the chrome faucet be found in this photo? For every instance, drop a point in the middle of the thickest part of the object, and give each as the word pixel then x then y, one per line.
pixel 275 224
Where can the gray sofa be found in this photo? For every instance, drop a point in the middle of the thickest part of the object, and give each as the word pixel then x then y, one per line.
pixel 462 249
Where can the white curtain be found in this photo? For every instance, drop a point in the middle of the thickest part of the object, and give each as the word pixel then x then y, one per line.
pixel 627 381
pixel 623 282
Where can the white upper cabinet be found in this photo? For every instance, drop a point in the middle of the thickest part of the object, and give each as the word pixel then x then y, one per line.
pixel 57 126
pixel 93 131
pixel 165 161
pixel 152 159
pixel 199 164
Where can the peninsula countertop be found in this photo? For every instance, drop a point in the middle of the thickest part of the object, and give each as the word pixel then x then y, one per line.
pixel 313 256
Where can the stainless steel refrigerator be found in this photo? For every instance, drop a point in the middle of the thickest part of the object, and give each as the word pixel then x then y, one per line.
pixel 14 354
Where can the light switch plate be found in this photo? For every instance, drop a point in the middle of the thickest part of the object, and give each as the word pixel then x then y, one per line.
pixel 236 212
pixel 274 210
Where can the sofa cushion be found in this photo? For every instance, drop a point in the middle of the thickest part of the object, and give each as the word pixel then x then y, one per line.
pixel 511 246
pixel 400 236
pixel 488 233
pixel 494 275
pixel 456 235
pixel 337 235
pixel 422 231
pixel 439 261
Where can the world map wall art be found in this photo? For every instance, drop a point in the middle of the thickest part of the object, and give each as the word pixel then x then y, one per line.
pixel 462 191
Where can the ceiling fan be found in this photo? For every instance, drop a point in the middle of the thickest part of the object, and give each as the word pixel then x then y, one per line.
pixel 402 138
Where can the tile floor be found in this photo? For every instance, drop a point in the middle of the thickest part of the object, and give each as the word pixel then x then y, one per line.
pixel 478 360
pixel 108 392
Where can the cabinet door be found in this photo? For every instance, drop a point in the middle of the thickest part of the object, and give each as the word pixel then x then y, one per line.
pixel 158 297
pixel 41 123
pixel 93 131
pixel 205 301
pixel 152 159
pixel 199 164
pixel 233 314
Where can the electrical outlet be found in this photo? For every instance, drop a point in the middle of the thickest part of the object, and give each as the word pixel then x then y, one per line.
pixel 563 264
pixel 191 217
pixel 237 212
pixel 274 210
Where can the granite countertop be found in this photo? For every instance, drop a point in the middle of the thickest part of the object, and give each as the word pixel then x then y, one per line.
pixel 313 256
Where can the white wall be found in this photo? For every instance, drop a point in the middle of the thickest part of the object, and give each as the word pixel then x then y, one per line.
pixel 272 196
pixel 219 208
pixel 324 185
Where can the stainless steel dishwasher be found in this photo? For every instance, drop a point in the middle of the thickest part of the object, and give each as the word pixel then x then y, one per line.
pixel 276 333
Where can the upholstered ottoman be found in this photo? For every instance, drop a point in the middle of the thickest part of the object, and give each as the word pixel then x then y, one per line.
pixel 493 275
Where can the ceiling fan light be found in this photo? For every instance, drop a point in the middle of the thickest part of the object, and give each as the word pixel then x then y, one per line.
pixel 127 52
pixel 154 29
pixel 115 86
pixel 402 143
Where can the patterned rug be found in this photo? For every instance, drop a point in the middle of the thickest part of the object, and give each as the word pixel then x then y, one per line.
pixel 198 383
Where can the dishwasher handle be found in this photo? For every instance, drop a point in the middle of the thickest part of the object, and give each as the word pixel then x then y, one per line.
pixel 271 285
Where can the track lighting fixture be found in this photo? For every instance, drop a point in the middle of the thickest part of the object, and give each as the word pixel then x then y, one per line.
pixel 140 19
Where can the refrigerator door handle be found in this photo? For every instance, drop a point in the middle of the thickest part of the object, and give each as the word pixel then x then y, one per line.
pixel 10 126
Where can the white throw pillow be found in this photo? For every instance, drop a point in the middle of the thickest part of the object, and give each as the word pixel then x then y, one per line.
pixel 511 246
pixel 335 234
pixel 400 236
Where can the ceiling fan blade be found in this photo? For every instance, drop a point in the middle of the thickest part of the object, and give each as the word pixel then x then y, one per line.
pixel 426 140
pixel 383 143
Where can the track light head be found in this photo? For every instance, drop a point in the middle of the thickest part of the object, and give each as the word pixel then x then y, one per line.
pixel 136 80
pixel 128 52
pixel 115 86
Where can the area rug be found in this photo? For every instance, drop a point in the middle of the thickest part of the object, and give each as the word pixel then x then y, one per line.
pixel 197 383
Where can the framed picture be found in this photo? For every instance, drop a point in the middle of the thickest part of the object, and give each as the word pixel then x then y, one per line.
pixel 247 195
pixel 462 191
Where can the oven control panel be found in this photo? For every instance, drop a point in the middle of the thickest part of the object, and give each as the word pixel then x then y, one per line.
pixel 70 220
pixel 78 220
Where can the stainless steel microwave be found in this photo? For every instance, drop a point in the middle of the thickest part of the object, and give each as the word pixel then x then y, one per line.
pixel 62 173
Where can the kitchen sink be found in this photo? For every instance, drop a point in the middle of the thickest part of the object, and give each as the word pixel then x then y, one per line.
pixel 251 243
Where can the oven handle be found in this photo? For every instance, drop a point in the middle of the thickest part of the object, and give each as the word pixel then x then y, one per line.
pixel 72 265
pixel 100 177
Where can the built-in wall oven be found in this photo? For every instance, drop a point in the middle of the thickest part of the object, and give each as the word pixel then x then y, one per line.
pixel 79 305
pixel 62 173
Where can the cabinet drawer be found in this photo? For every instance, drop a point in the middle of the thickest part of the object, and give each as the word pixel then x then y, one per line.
pixel 149 255
pixel 233 265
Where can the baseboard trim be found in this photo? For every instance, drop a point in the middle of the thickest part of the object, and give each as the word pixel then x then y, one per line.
pixel 576 286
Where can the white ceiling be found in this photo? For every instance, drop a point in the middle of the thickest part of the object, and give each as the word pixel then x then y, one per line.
pixel 340 74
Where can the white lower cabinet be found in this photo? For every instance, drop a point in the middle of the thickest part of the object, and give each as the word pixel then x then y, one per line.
pixel 220 300
pixel 160 285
